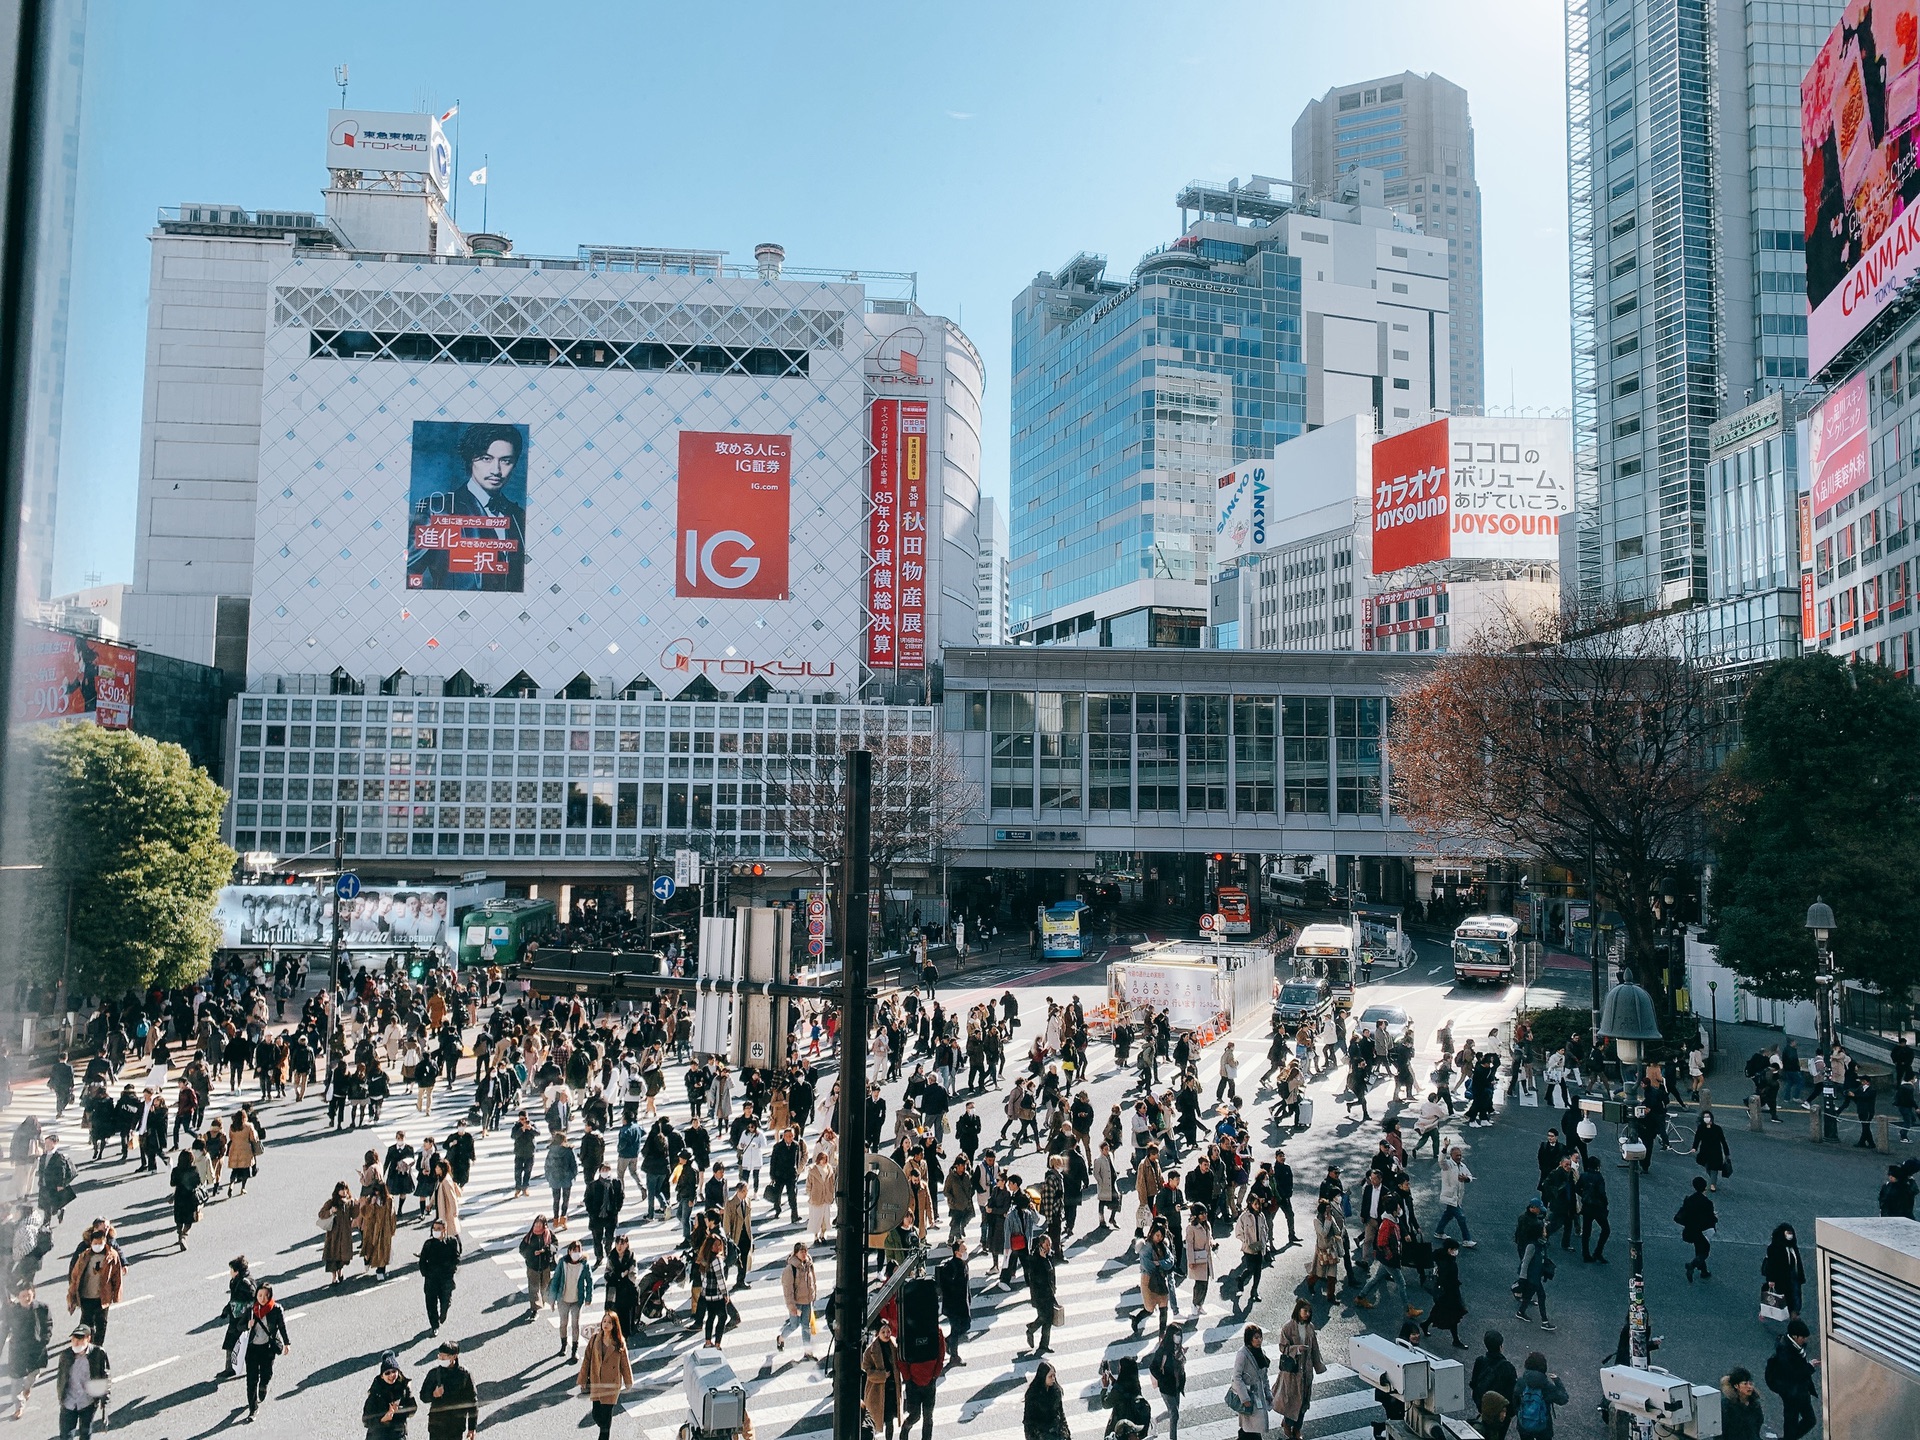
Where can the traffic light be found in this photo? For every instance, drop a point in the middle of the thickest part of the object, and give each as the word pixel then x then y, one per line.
pixel 416 967
pixel 743 869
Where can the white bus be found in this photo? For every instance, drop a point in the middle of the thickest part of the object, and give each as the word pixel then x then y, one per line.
pixel 1329 950
pixel 1483 949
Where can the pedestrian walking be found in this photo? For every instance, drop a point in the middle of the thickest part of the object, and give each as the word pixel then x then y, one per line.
pixel 377 1223
pixel 1696 1218
pixel 570 1288
pixel 1449 1303
pixel 1041 1291
pixel 185 1180
pixel 1742 1416
pixel 880 1374
pixel 1711 1151
pixel 1454 1179
pixel 537 1253
pixel 605 1373
pixel 1043 1412
pixel 1169 1370
pixel 1791 1374
pixel 1200 1248
pixel 1250 1395
pixel 1530 1283
pixel 95 1279
pixel 83 1381
pixel 1782 1269
pixel 1254 1231
pixel 439 1269
pixel 799 1288
pixel 1329 1247
pixel 267 1340
pixel 336 1225
pixel 1491 1387
pixel 1297 1360
pixel 29 1331
pixel 448 1392
pixel 389 1401
pixel 954 1283
pixel 1535 1397
pixel 562 1169
pixel 1593 1213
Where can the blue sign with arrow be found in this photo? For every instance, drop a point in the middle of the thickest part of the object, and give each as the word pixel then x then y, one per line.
pixel 663 889
pixel 347 887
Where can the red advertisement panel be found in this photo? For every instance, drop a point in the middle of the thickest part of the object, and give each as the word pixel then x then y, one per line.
pixel 733 516
pixel 57 676
pixel 1809 629
pixel 1411 498
pixel 883 535
pixel 911 641
pixel 1837 445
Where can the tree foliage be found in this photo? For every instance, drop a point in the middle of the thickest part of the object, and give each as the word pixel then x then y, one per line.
pixel 1567 740
pixel 1819 801
pixel 128 830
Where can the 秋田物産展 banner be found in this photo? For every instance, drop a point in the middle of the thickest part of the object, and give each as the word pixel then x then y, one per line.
pixel 467 507
pixel 896 598
pixel 1859 118
pixel 57 676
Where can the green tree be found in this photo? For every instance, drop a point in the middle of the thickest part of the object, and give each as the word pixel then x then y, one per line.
pixel 127 831
pixel 1818 801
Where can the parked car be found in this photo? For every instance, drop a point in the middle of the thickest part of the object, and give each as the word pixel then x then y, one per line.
pixel 1302 998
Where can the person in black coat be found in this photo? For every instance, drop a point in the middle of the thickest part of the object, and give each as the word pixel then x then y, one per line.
pixel 1044 1414
pixel 1040 1290
pixel 1696 1217
pixel 1449 1305
pixel 1593 1213
pixel 439 1262
pixel 389 1401
pixel 1789 1375
pixel 1711 1151
pixel 956 1301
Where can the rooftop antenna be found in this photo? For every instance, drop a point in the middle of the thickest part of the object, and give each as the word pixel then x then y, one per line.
pixel 340 79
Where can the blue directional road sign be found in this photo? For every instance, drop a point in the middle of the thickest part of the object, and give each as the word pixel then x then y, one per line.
pixel 663 889
pixel 347 887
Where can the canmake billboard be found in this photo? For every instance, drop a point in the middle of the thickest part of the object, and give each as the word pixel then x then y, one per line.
pixel 1859 113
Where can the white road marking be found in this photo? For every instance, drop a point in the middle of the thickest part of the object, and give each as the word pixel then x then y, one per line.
pixel 131 1374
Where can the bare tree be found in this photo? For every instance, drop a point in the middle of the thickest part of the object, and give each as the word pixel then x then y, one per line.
pixel 1577 740
pixel 921 798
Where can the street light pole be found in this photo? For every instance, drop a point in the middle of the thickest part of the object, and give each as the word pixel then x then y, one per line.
pixel 1629 1021
pixel 1820 922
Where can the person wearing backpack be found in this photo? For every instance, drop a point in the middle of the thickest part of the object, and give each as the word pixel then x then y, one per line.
pixel 1534 1398
pixel 1169 1370
pixel 1491 1387
pixel 1790 1375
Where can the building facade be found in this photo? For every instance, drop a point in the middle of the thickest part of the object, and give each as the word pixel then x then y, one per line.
pixel 1417 131
pixel 1688 263
pixel 1267 317
pixel 992 586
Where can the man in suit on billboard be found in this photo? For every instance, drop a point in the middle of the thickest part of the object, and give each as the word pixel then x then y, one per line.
pixel 463 560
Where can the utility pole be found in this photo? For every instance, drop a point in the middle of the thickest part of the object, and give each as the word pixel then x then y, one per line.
pixel 339 865
pixel 850 1240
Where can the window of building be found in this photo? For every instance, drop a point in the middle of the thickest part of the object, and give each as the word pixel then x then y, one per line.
pixel 1357 758
pixel 1157 749
pixel 1626 427
pixel 1629 547
pixel 1305 724
pixel 1110 751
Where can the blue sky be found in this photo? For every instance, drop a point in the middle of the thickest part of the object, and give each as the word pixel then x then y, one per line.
pixel 975 144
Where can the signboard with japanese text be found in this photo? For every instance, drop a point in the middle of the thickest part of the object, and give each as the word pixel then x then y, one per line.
pixel 1809 626
pixel 1837 445
pixel 57 676
pixel 1401 612
pixel 1190 994
pixel 382 141
pixel 1512 480
pixel 733 514
pixel 1241 501
pixel 897 536
pixel 1410 498
pixel 1859 120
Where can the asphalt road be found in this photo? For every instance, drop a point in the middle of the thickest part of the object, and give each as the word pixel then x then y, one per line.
pixel 164 1336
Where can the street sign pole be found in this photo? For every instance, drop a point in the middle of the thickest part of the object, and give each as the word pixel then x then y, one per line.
pixel 333 962
pixel 850 1240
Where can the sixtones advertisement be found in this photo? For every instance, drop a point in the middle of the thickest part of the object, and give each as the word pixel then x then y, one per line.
pixel 252 917
pixel 467 507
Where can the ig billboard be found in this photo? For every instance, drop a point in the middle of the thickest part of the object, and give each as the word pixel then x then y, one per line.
pixel 1411 498
pixel 1859 112
pixel 1837 446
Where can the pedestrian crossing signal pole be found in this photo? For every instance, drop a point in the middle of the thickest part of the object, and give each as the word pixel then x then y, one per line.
pixel 850 1237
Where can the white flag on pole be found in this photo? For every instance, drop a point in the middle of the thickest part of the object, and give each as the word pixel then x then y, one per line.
pixel 478 177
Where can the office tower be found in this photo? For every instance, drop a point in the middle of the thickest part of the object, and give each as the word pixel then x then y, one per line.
pixel 1267 316
pixel 990 576
pixel 1685 225
pixel 1417 132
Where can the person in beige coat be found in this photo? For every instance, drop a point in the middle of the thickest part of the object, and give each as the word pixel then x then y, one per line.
pixel 822 1178
pixel 446 1203
pixel 336 1219
pixel 243 1154
pixel 880 1368
pixel 605 1372
pixel 800 1288
pixel 376 1229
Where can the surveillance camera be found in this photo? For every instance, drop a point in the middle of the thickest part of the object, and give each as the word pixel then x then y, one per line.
pixel 1650 1394
pixel 1391 1365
